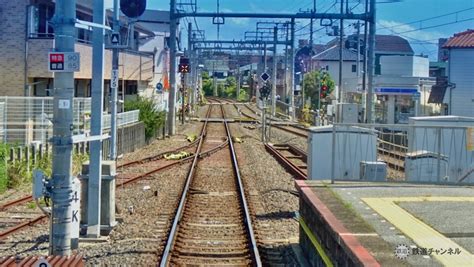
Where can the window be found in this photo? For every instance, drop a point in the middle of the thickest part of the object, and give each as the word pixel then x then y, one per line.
pixel 131 88
pixel 327 67
pixel 354 67
pixel 38 21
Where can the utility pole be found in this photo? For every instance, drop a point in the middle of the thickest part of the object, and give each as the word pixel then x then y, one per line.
pixel 97 107
pixel 292 70
pixel 286 64
pixel 274 78
pixel 62 180
pixel 341 43
pixel 237 93
pixel 358 50
pixel 172 95
pixel 214 78
pixel 183 94
pixel 311 26
pixel 371 63
pixel 191 64
pixel 364 64
pixel 114 86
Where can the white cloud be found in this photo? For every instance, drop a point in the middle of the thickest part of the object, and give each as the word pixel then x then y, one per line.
pixel 422 41
pixel 240 21
pixel 394 27
pixel 236 21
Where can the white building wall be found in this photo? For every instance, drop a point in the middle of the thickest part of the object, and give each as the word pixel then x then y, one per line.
pixel 405 66
pixel 461 73
pixel 333 69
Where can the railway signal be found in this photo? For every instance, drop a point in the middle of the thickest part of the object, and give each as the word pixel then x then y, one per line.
pixel 133 8
pixel 184 65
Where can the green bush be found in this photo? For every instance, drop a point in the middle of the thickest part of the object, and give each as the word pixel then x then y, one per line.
pixel 152 118
pixel 17 173
pixel 3 167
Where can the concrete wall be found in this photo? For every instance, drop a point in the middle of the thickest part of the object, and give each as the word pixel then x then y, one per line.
pixel 12 47
pixel 405 66
pixel 461 70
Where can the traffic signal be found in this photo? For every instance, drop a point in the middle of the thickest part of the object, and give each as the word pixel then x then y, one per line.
pixel 133 8
pixel 324 91
pixel 264 91
pixel 184 65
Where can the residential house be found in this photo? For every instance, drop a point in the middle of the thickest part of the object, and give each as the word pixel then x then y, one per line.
pixel 402 84
pixel 459 96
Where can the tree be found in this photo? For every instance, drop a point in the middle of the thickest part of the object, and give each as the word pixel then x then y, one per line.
pixel 207 84
pixel 230 87
pixel 313 82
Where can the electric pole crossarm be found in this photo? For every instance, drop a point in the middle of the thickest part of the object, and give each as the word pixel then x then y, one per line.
pixel 249 42
pixel 275 15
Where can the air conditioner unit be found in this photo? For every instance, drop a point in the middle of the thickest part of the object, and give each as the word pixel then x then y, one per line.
pixel 373 171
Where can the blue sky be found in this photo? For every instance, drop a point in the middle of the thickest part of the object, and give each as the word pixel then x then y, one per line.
pixel 391 18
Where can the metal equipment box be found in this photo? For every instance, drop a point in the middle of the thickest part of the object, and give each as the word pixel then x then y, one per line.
pixel 375 171
pixel 348 112
pixel 351 146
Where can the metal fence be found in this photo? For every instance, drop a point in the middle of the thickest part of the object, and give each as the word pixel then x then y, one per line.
pixel 433 153
pixel 124 118
pixel 28 120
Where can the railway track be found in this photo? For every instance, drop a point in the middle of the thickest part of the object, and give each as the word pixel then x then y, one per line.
pixel 15 217
pixel 212 225
pixel 393 154
pixel 291 157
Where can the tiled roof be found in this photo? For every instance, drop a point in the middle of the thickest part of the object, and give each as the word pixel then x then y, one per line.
pixel 461 40
pixel 332 54
pixel 384 44
pixel 392 43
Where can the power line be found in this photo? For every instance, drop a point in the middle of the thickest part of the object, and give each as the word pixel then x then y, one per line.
pixel 439 25
pixel 427 19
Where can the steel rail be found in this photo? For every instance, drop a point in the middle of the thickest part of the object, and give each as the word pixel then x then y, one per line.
pixel 29 198
pixel 128 181
pixel 179 211
pixel 286 163
pixel 291 130
pixel 248 220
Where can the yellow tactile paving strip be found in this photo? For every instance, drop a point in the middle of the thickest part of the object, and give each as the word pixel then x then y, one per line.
pixel 422 234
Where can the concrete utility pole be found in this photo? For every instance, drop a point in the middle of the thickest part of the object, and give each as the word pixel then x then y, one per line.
pixel 292 70
pixel 274 77
pixel 172 96
pixel 191 64
pixel 237 93
pixel 364 64
pixel 286 64
pixel 61 193
pixel 371 64
pixel 114 86
pixel 311 26
pixel 97 107
pixel 214 78
pixel 341 43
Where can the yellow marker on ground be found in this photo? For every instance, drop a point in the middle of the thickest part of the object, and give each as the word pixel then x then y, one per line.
pixel 422 234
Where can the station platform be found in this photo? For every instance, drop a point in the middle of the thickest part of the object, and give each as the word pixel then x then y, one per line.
pixel 386 224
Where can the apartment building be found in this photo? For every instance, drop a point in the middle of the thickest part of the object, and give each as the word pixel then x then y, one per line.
pixel 26 37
